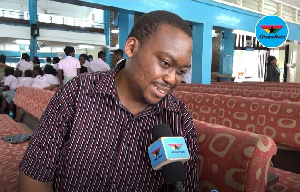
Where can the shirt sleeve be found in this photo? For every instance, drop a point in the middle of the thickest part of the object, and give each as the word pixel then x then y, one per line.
pixel 60 65
pixel 8 81
pixel 192 183
pixel 78 66
pixel 43 152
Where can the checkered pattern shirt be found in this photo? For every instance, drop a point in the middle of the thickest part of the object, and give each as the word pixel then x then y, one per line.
pixel 88 141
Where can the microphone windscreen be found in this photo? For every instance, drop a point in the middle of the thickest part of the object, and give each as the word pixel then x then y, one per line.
pixel 173 172
pixel 161 130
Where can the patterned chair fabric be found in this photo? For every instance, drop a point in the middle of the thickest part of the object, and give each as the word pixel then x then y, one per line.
pixel 249 87
pixel 266 94
pixel 10 155
pixel 232 160
pixel 288 181
pixel 279 120
pixel 33 100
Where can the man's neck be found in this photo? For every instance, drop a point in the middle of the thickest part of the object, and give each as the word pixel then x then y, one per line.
pixel 127 95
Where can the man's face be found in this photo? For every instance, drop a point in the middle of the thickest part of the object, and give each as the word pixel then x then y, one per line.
pixel 156 67
pixel 103 57
pixel 82 60
pixel 118 57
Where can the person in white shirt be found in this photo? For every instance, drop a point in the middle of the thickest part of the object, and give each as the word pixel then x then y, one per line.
pixel 10 84
pixel 22 81
pixel 48 81
pixel 70 66
pixel 55 63
pixel 98 64
pixel 26 64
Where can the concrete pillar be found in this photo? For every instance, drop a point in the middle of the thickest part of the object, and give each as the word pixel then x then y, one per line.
pixel 32 4
pixel 226 53
pixel 202 52
pixel 125 24
pixel 107 28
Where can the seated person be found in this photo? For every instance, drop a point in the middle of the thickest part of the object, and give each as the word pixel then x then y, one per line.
pixel 10 84
pixel 22 81
pixel 48 81
pixel 37 73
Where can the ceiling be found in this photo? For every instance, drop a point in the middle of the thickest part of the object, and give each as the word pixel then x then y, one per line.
pixel 295 3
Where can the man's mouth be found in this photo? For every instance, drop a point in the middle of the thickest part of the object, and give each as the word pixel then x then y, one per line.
pixel 161 91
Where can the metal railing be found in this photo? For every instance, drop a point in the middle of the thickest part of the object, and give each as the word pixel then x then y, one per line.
pixel 47 18
pixel 267 7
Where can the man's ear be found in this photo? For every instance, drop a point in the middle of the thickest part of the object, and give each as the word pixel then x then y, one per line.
pixel 131 47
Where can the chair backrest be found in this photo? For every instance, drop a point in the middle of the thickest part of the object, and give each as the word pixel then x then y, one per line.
pixel 279 120
pixel 33 100
pixel 232 160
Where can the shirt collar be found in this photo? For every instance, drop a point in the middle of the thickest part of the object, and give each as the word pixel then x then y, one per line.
pixel 106 85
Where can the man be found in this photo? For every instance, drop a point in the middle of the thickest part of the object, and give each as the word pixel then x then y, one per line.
pixel 69 65
pixel 95 131
pixel 98 64
pixel 102 55
pixel 25 64
pixel 118 55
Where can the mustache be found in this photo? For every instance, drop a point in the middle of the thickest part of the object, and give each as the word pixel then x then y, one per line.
pixel 164 85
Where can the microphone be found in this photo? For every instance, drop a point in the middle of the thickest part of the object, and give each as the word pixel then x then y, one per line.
pixel 168 153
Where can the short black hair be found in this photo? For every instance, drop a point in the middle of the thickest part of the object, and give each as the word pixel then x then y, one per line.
pixel 48 59
pixel 36 60
pixel 2 58
pixel 84 56
pixel 28 73
pixel 18 73
pixel 68 50
pixel 49 69
pixel 38 69
pixel 119 52
pixel 91 57
pixel 148 24
pixel 101 53
pixel 24 55
pixel 9 71
pixel 270 59
pixel 56 59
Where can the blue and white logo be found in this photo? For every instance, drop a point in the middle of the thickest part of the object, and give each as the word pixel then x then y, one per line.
pixel 271 31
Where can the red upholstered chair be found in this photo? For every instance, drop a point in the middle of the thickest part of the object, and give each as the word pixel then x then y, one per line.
pixel 232 160
pixel 33 100
pixel 279 120
pixel 265 94
pixel 10 155
pixel 288 181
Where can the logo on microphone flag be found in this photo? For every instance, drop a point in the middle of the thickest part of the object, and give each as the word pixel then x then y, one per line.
pixel 175 146
pixel 155 152
pixel 271 28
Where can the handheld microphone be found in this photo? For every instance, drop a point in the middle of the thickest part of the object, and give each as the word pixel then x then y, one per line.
pixel 168 153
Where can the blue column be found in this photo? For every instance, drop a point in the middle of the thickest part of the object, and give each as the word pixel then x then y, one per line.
pixel 125 24
pixel 202 53
pixel 33 20
pixel 107 34
pixel 226 53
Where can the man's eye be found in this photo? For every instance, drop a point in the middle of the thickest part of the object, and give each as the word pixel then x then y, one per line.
pixel 165 63
pixel 181 72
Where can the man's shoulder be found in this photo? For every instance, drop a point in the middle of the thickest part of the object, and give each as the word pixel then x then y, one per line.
pixel 175 104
